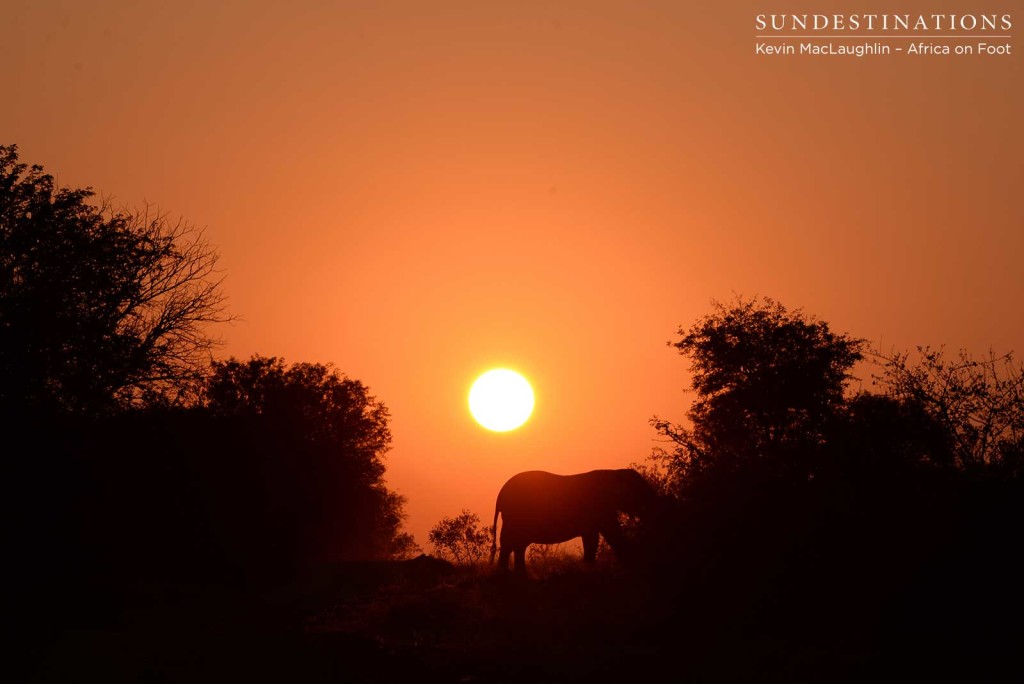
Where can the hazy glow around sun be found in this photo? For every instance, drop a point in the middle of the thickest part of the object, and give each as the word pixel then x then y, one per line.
pixel 501 400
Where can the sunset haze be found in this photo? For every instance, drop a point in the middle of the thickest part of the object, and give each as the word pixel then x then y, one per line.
pixel 419 192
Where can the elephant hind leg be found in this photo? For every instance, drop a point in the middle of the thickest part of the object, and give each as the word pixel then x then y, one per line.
pixel 503 558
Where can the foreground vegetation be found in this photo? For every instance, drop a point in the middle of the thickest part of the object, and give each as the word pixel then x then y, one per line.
pixel 358 623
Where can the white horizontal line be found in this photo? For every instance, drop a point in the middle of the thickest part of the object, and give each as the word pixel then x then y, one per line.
pixel 833 37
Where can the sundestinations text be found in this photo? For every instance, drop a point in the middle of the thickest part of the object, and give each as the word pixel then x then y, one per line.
pixel 883 22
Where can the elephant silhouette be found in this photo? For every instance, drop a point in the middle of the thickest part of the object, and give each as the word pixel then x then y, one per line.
pixel 539 507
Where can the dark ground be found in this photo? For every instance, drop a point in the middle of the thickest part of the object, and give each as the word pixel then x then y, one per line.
pixel 422 621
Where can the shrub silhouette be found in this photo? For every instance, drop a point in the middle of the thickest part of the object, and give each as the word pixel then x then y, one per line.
pixel 462 539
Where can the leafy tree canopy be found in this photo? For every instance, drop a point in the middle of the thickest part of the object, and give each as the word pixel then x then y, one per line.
pixel 768 383
pixel 319 439
pixel 99 309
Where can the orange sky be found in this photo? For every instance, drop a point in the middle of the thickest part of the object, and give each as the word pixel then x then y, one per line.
pixel 418 191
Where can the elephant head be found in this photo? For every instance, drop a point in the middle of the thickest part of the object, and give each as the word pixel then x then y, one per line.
pixel 539 507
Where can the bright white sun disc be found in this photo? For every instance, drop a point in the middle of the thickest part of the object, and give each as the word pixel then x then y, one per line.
pixel 501 400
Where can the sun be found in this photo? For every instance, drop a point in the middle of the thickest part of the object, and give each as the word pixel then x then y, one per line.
pixel 501 400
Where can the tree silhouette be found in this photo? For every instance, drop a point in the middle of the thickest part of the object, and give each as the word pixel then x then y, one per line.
pixel 895 438
pixel 769 383
pixel 318 439
pixel 813 513
pixel 979 404
pixel 99 309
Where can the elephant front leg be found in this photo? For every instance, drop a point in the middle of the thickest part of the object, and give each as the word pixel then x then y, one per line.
pixel 519 563
pixel 613 534
pixel 590 547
